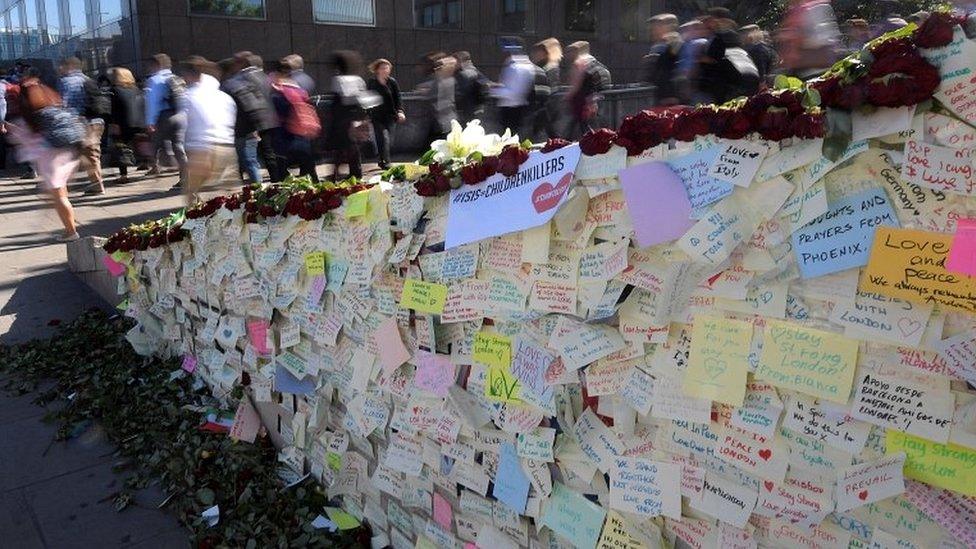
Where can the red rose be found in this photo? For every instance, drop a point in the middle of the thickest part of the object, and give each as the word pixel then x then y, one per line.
pixel 472 174
pixel 936 31
pixel 691 123
pixel 554 144
pixel 774 124
pixel 510 159
pixel 596 142
pixel 758 103
pixel 442 183
pixel 810 125
pixel 425 187
pixel 893 47
pixel 731 124
pixel 633 148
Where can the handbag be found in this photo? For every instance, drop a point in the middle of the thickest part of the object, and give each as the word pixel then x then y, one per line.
pixel 124 155
pixel 60 127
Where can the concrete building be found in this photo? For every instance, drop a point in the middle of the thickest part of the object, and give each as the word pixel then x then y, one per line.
pixel 127 32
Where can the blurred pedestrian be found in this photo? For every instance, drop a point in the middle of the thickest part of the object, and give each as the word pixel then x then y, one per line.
pixel 763 54
pixel 662 61
pixel 515 87
pixel 296 72
pixel 127 119
pixel 389 112
pixel 694 41
pixel 471 87
pixel 49 140
pixel 547 55
pixel 210 118
pixel 439 92
pixel 809 39
pixel 349 128
pixel 166 114
pixel 857 33
pixel 256 117
pixel 588 80
pixel 83 97
pixel 299 124
pixel 726 70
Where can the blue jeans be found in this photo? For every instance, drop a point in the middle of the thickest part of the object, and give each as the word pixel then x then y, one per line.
pixel 247 157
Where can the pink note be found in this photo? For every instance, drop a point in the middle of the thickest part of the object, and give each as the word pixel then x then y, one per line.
pixel 257 332
pixel 962 254
pixel 435 373
pixel 189 363
pixel 114 267
pixel 392 352
pixel 657 202
pixel 442 512
pixel 247 422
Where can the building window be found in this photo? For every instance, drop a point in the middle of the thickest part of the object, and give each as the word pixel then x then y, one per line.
pixel 516 16
pixel 253 9
pixel 437 14
pixel 52 21
pixel 581 15
pixel 633 19
pixel 344 12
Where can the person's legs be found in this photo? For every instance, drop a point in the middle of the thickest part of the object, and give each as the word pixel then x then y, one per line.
pixel 301 152
pixel 91 154
pixel 173 129
pixel 355 161
pixel 251 158
pixel 267 154
pixel 65 212
pixel 199 168
pixel 382 132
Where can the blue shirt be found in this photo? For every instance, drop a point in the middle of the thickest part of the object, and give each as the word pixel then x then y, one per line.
pixel 157 96
pixel 72 89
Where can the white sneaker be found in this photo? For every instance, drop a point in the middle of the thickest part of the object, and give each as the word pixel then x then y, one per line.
pixel 65 238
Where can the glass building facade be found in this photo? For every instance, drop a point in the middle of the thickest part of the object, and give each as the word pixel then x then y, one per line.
pixel 99 32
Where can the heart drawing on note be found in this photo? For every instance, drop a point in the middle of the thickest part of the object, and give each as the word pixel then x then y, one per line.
pixel 908 326
pixel 714 367
pixel 546 197
pixel 765 453
pixel 862 495
pixel 769 485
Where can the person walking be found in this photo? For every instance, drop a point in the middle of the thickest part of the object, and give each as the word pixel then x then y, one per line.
pixel 210 118
pixel 726 69
pixel 83 97
pixel 297 73
pixel 348 123
pixel 298 124
pixel 49 140
pixel 439 90
pixel 809 40
pixel 588 80
pixel 127 119
pixel 166 114
pixel 251 92
pixel 662 60
pixel 516 84
pixel 547 54
pixel 389 112
pixel 471 87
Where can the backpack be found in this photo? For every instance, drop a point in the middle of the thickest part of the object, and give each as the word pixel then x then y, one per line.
pixel 98 102
pixel 745 68
pixel 302 120
pixel 175 93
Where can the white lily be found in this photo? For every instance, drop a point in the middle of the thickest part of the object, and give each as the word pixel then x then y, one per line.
pixel 494 143
pixel 460 142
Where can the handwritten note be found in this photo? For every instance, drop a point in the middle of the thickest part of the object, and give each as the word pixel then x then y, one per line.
pixel 959 353
pixel 315 263
pixel 645 487
pixel 910 265
pixel 719 359
pixel 841 238
pixel 905 406
pixel 115 268
pixel 880 122
pixel 727 500
pixel 247 422
pixel 869 482
pixel 939 168
pixel 657 203
pixel 962 253
pixel 425 297
pixel 435 373
pixel 511 483
pixel 811 361
pixel 357 204
pixel 879 316
pixel 738 162
pixel 601 166
pixel 575 518
pixel 693 169
pixel 957 90
pixel 948 466
pixel 392 352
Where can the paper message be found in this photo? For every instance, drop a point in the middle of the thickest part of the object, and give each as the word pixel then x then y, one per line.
pixel 959 353
pixel 657 203
pixel 905 406
pixel 939 168
pixel 511 484
pixel 726 500
pixel 315 263
pixel 869 482
pixel 957 90
pixel 811 361
pixel 882 121
pixel 392 352
pixel 719 359
pixel 114 267
pixel 879 316
pixel 575 518
pixel 435 373
pixel 356 204
pixel 841 238
pixel 738 162
pixel 910 265
pixel 602 166
pixel 806 417
pixel 597 441
pixel 504 204
pixel 702 188
pixel 948 466
pixel 645 487
pixel 247 422
pixel 962 253
pixel 426 297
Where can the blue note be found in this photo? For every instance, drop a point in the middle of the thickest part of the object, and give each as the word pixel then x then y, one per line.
pixel 285 382
pixel 841 238
pixel 511 484
pixel 703 189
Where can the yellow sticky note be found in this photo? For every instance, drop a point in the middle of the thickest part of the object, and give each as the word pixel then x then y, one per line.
pixel 814 362
pixel 414 171
pixel 492 350
pixel 425 297
pixel 948 466
pixel 334 460
pixel 910 265
pixel 124 305
pixel 315 263
pixel 343 520
pixel 615 534
pixel 357 204
pixel 719 359
pixel 121 257
pixel 502 385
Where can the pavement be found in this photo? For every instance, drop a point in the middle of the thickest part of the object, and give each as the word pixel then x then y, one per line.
pixel 59 494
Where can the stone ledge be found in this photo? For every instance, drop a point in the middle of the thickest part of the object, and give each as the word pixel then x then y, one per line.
pixel 85 261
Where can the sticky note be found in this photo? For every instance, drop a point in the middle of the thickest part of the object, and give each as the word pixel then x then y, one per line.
pixel 492 349
pixel 435 373
pixel 189 363
pixel 392 352
pixel 511 483
pixel 257 333
pixel 948 466
pixel 114 267
pixel 575 518
pixel 425 297
pixel 909 264
pixel 657 203
pixel 315 263
pixel 719 359
pixel 502 385
pixel 357 204
pixel 343 520
pixel 811 361
pixel 962 254
pixel 443 515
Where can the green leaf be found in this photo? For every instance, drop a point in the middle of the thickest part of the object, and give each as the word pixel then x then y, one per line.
pixel 427 158
pixel 783 82
pixel 839 129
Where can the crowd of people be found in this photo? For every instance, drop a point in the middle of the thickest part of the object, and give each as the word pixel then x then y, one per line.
pixel 213 118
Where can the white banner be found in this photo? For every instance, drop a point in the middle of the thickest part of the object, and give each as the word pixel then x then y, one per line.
pixel 501 205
